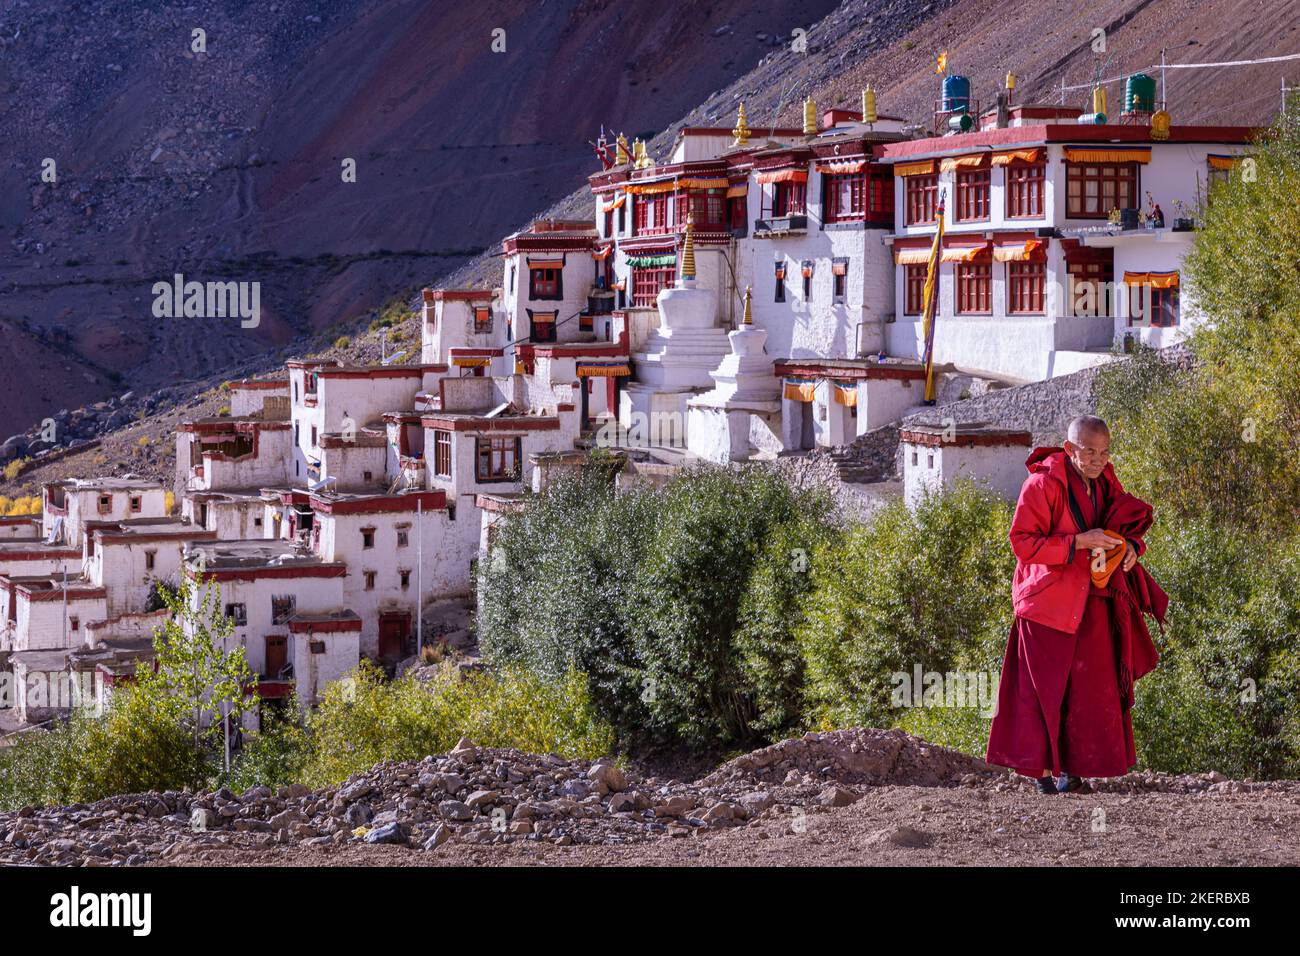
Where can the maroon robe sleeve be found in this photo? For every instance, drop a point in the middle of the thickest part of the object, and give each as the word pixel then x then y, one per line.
pixel 1032 537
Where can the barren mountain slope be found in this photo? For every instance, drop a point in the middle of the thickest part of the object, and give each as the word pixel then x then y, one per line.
pixel 226 164
pixel 890 43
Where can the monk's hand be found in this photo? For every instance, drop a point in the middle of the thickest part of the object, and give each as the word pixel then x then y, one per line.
pixel 1130 555
pixel 1097 538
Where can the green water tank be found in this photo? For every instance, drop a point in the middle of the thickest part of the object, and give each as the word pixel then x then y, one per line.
pixel 1139 94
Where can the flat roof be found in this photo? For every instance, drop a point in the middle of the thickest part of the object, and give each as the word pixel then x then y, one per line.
pixel 96 484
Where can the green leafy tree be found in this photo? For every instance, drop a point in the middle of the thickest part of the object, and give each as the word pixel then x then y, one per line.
pixel 198 672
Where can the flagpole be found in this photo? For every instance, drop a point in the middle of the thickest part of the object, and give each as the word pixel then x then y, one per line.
pixel 932 298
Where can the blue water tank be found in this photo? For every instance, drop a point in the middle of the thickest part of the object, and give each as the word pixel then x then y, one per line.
pixel 956 94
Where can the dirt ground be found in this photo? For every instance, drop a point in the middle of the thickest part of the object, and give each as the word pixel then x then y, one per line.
pixel 899 826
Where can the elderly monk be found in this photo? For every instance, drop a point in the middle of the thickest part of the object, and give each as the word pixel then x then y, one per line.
pixel 1079 640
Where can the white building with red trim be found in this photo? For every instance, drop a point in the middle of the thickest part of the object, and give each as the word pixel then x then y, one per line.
pixel 1035 279
pixel 288 612
pixel 937 456
pixel 67 505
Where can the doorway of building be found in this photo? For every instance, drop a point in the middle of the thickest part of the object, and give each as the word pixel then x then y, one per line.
pixel 277 655
pixel 394 632
pixel 807 428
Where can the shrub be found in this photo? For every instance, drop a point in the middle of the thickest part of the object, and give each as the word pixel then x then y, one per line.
pixel 930 587
pixel 342 342
pixel 713 525
pixel 1225 694
pixel 555 588
pixel 134 746
pixel 365 720
pixel 276 755
pixel 647 594
pixel 15 468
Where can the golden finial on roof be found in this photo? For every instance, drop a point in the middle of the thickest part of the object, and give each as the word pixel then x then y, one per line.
pixel 809 117
pixel 621 155
pixel 688 251
pixel 741 132
pixel 749 309
pixel 869 114
pixel 640 158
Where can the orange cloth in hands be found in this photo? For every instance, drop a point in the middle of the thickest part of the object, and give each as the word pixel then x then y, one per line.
pixel 1113 559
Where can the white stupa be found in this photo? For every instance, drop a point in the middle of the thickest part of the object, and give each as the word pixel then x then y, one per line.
pixel 742 413
pixel 678 358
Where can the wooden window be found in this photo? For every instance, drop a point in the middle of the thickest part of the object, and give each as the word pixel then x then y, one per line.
pixel 370 580
pixel 238 614
pixel 1025 189
pixel 972 195
pixel 541 328
pixel 74 623
pixel 105 504
pixel 708 209
pixel 648 282
pixel 840 278
pixel 150 559
pixel 780 282
pixel 313 436
pixel 1093 189
pixel 403 538
pixel 367 537
pixel 442 453
pixel 806 271
pixel 1162 305
pixel 914 289
pixel 1090 293
pixel 1026 282
pixel 497 459
pixel 651 215
pixel 137 504
pixel 789 199
pixel 482 319
pixel 921 198
pixel 846 197
pixel 405 577
pixel 880 203
pixel 282 607
pixel 737 212
pixel 974 288
pixel 545 284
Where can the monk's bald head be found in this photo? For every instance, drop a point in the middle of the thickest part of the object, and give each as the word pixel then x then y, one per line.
pixel 1088 444
pixel 1085 427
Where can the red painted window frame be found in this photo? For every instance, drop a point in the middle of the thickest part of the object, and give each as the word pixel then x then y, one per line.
pixel 974 190
pixel 914 288
pixel 546 284
pixel 1026 186
pixel 974 288
pixel 921 199
pixel 1027 287
pixel 1114 174
pixel 648 282
pixel 442 453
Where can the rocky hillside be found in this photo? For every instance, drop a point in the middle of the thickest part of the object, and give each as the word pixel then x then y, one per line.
pixel 850 796
pixel 220 157
pixel 327 256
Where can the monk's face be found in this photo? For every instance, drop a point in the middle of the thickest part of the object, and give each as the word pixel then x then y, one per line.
pixel 1091 454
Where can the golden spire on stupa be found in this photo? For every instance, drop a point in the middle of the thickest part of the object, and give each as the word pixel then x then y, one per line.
pixel 748 318
pixel 621 155
pixel 741 132
pixel 688 251
pixel 809 117
pixel 640 158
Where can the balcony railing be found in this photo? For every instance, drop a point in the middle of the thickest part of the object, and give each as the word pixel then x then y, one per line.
pixel 780 224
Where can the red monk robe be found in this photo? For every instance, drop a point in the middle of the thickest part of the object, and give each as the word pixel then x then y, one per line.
pixel 1075 649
